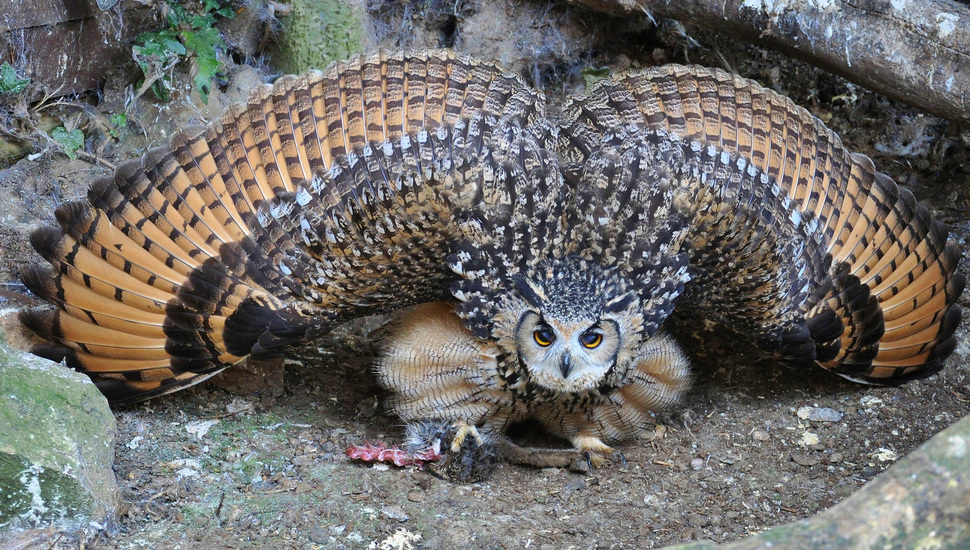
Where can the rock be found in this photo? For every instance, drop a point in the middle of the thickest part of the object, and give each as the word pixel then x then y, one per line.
pixel 57 439
pixel 804 459
pixel 318 32
pixel 394 511
pixel 819 414
pixel 808 439
pixel 697 520
pixel 759 435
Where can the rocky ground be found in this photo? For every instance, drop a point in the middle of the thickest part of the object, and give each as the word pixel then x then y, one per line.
pixel 751 446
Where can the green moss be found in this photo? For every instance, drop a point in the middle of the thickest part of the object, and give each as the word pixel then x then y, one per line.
pixel 56 444
pixel 37 494
pixel 319 32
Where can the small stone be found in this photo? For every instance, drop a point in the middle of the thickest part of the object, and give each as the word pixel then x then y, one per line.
pixel 835 458
pixel 416 496
pixel 759 435
pixel 395 512
pixel 885 455
pixel 319 535
pixel 808 439
pixel 697 463
pixel 819 414
pixel 803 459
pixel 576 482
pixel 697 520
pixel 728 459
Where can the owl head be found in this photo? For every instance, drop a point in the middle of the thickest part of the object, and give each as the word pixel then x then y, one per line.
pixel 571 324
pixel 577 327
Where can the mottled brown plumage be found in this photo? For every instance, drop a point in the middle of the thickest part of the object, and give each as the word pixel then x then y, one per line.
pixel 548 253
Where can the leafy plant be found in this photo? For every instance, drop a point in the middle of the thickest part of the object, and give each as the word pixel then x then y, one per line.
pixel 69 141
pixel 10 81
pixel 189 36
pixel 592 74
pixel 118 121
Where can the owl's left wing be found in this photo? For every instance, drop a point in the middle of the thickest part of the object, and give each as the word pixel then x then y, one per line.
pixel 880 302
pixel 328 196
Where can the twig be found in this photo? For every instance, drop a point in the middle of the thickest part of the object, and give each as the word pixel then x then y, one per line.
pixel 96 159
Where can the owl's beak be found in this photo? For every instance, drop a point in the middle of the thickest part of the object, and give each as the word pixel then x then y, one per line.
pixel 565 367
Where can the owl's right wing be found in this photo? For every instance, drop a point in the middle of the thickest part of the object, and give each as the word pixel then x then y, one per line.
pixel 330 195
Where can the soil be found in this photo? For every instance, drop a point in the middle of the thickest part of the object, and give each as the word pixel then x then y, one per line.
pixel 751 446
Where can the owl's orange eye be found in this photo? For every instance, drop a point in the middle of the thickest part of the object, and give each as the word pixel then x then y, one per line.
pixel 591 339
pixel 544 336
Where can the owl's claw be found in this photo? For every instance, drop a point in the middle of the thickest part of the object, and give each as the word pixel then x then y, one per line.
pixel 617 456
pixel 594 453
pixel 462 431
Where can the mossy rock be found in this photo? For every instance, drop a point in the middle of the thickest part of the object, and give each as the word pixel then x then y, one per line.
pixel 317 33
pixel 57 439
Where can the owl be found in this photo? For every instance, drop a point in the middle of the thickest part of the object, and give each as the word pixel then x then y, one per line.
pixel 536 259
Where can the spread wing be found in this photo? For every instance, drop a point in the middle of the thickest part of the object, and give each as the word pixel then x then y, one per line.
pixel 328 196
pixel 882 284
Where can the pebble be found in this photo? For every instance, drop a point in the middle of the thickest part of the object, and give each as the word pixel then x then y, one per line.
pixel 885 455
pixel 697 520
pixel 728 459
pixel 697 463
pixel 819 414
pixel 416 496
pixel 576 482
pixel 318 534
pixel 759 435
pixel 395 512
pixel 803 459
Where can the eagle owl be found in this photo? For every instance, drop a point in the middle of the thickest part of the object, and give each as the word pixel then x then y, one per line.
pixel 543 254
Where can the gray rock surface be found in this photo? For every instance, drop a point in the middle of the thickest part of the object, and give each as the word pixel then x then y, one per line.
pixel 57 439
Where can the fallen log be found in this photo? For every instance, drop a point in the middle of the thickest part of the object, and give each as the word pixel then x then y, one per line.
pixel 915 51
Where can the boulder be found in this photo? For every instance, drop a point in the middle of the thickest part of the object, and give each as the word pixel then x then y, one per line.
pixel 57 439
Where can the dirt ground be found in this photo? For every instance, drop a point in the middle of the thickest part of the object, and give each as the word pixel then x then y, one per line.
pixel 751 446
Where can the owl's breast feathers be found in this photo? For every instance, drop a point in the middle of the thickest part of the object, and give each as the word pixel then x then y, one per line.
pixel 402 178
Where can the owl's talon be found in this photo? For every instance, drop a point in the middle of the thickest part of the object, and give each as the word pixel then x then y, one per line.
pixel 462 431
pixel 617 456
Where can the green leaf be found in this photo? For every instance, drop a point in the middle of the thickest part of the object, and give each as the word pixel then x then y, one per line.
pixel 10 81
pixel 204 45
pixel 591 75
pixel 202 41
pixel 69 141
pixel 190 34
pixel 225 11
pixel 176 14
pixel 119 121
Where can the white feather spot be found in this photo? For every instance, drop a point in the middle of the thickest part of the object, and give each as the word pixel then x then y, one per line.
pixel 303 197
